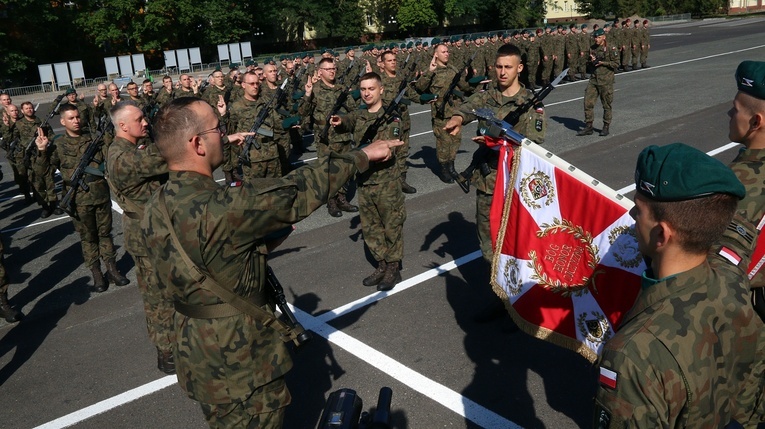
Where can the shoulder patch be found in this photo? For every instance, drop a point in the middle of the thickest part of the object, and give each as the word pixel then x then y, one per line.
pixel 730 255
pixel 236 184
pixel 608 377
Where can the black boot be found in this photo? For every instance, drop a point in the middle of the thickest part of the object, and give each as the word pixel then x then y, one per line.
pixel 6 311
pixel 586 131
pixel 452 171
pixel 444 174
pixel 604 131
pixel 165 361
pixel 344 205
pixel 391 278
pixel 405 187
pixel 56 209
pixel 332 208
pixel 99 283
pixel 114 275
pixel 377 276
pixel 46 211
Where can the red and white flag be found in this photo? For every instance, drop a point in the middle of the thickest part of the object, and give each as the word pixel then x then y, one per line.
pixel 566 259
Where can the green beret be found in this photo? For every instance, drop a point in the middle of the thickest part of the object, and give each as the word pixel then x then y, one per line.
pixel 409 45
pixel 290 122
pixel 606 26
pixel 297 95
pixel 750 78
pixel 70 90
pixel 598 32
pixel 584 26
pixel 435 41
pixel 217 69
pixel 476 80
pixel 356 94
pixel 418 43
pixel 424 44
pixel 425 98
pixel 402 46
pixel 233 66
pixel 678 172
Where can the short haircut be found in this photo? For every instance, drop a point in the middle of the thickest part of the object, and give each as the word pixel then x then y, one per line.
pixel 132 84
pixel 696 234
pixel 326 60
pixel 116 112
pixel 172 125
pixel 371 75
pixel 388 52
pixel 65 108
pixel 25 103
pixel 752 104
pixel 508 50
pixel 145 81
pixel 166 77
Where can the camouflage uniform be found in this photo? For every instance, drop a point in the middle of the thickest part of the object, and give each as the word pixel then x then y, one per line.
pixel 572 53
pixel 211 96
pixel 684 350
pixel 264 162
pixel 437 82
pixel 39 169
pixel 559 50
pixel 391 85
pixel 531 124
pixel 93 208
pixel 20 172
pixel 601 83
pixel 134 172
pixel 547 48
pixel 86 115
pixel 180 93
pixel 279 112
pixel 381 201
pixel 532 60
pixel 233 365
pixel 645 40
pixel 163 96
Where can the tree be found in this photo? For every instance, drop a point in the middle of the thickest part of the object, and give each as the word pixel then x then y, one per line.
pixel 416 14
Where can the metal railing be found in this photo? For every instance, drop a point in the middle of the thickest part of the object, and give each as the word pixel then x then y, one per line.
pixel 680 17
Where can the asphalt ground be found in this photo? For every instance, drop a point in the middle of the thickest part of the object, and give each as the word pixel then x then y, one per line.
pixel 83 359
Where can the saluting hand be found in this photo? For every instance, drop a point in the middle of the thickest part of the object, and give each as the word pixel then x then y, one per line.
pixel 221 105
pixel 433 63
pixel 42 140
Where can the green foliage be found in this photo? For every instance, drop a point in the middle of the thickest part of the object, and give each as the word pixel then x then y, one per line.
pixel 416 14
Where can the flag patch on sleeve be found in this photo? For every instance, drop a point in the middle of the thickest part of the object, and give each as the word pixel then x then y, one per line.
pixel 730 255
pixel 608 377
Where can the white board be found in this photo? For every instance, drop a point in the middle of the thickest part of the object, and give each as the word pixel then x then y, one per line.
pixel 170 59
pixel 246 50
pixel 111 66
pixel 236 54
pixel 46 73
pixel 62 74
pixel 196 56
pixel 139 63
pixel 222 52
pixel 126 67
pixel 78 72
pixel 183 59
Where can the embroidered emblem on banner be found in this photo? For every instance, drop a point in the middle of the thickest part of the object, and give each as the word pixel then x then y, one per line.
pixel 535 187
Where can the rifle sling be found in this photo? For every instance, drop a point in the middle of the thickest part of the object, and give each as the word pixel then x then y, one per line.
pixel 232 303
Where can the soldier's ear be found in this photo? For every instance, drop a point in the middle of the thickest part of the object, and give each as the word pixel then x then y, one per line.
pixel 756 122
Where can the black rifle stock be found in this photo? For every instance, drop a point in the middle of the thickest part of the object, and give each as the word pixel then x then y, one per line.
pixel 29 148
pixel 441 109
pixel 276 292
pixel 77 181
pixel 339 103
pixel 251 140
pixel 371 131
pixel 341 78
pixel 343 411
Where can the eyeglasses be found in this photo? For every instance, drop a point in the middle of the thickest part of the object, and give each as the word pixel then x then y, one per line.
pixel 217 129
pixel 329 69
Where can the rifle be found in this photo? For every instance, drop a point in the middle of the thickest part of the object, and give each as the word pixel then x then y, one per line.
pixel 341 79
pixel 343 411
pixel 479 156
pixel 339 103
pixel 455 81
pixel 29 149
pixel 276 292
pixel 371 131
pixel 251 140
pixel 78 176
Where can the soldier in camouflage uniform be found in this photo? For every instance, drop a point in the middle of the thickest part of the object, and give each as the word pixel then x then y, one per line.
pixel 645 44
pixel 320 97
pixel 11 145
pixel 86 113
pixel 436 81
pixel 684 352
pixel 38 168
pixel 381 202
pixel 165 94
pixel 628 40
pixel 7 312
pixel 585 42
pixel 268 90
pixel 231 362
pixel 532 59
pixel 605 60
pixel 573 55
pixel 189 87
pixel 92 209
pixel 132 90
pixel 134 172
pixel 216 90
pixel 507 96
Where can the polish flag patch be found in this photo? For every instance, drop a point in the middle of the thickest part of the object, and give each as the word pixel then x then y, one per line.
pixel 608 377
pixel 730 255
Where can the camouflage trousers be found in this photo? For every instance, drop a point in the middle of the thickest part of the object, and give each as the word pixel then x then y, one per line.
pixel 643 55
pixel 231 154
pixel 271 168
pixel 402 153
pixel 21 177
pixel 634 52
pixel 382 213
pixel 533 68
pixel 546 69
pixel 264 409
pixel 482 210
pixel 626 55
pixel 447 145
pixel 42 180
pixel 558 65
pixel 159 312
pixel 591 94
pixel 94 225
pixel 283 146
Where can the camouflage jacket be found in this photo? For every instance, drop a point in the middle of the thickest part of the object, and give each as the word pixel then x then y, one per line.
pixel 241 118
pixel 86 115
pixel 134 172
pixel 437 82
pixel 180 93
pixel 391 85
pixel 749 167
pixel 609 61
pixel 531 124
pixel 67 154
pixel 211 96
pixel 320 104
pixel 163 96
pixel 685 348
pixel 358 122
pixel 24 130
pixel 222 229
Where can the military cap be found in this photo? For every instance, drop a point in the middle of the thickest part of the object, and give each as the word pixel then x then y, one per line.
pixel 418 43
pixel 402 46
pixel 70 90
pixel 583 26
pixel 307 55
pixel 217 69
pixel 424 98
pixel 606 26
pixel 424 44
pixel 750 78
pixel 409 45
pixel 290 122
pixel 356 94
pixel 233 66
pixel 475 80
pixel 599 32
pixel 678 172
pixel 435 41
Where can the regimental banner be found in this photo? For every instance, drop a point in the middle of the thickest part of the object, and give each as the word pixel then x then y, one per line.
pixel 566 260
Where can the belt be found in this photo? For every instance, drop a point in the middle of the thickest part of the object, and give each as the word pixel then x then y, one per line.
pixel 215 311
pixel 132 215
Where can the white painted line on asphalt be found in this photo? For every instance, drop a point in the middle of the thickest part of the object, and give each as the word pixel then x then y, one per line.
pixel 10 198
pixel 109 404
pixel 35 224
pixel 713 152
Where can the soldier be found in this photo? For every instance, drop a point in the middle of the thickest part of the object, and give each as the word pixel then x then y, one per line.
pixel 627 39
pixel 584 49
pixel 573 54
pixel 135 171
pixel 685 350
pixel 391 79
pixel 436 81
pixel 319 99
pixel 268 91
pixel 532 59
pixel 235 365
pixel 37 165
pixel 645 44
pixel 92 209
pixel 381 202
pixel 12 144
pixel 506 97
pixel 216 90
pixel 166 93
pixel 86 114
pixel 5 100
pixel 132 90
pixel 264 162
pixel 189 87
pixel 559 50
pixel 604 59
